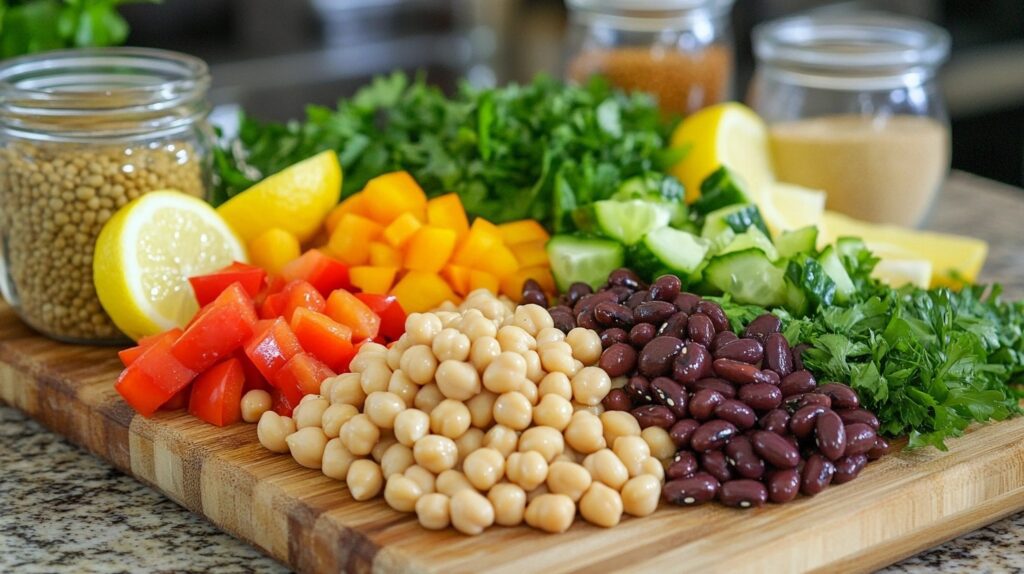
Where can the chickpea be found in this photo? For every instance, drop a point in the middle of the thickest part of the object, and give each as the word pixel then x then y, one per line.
pixel 272 431
pixel 446 307
pixel 549 335
pixel 359 435
pixel 618 423
pixel 396 459
pixel 400 385
pixel 307 398
pixel 551 513
pixel 515 339
pixel 483 351
pixel 254 404
pixel 491 308
pixel 325 387
pixel 601 506
pixel 590 385
pixel 435 453
pixel 484 467
pixel 450 418
pixel 451 345
pixel 422 328
pixel 382 407
pixel 653 467
pixel 419 364
pixel 571 455
pixel 502 439
pixel 432 510
pixel 605 467
pixel 421 476
pixel 369 353
pixel 527 469
pixel 509 501
pixel 382 446
pixel 375 377
pixel 394 355
pixel 457 380
pixel 556 357
pixel 619 382
pixel 595 410
pixel 451 481
pixel 539 491
pixel 505 373
pixel 632 451
pixel 584 433
pixel 553 411
pixel 513 410
pixel 347 390
pixel 448 318
pixel 532 319
pixel 310 413
pixel 586 345
pixel 428 397
pixel 640 495
pixel 534 370
pixel 474 325
pixel 555 384
pixel 364 479
pixel 402 493
pixel 307 446
pixel 660 443
pixel 336 460
pixel 568 478
pixel 470 441
pixel 411 425
pixel 471 513
pixel 529 390
pixel 335 416
pixel 547 441
pixel 481 409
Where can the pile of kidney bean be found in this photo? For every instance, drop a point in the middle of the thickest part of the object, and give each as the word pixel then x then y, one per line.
pixel 751 425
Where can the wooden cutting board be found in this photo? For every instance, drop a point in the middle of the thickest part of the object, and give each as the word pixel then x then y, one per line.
pixel 900 505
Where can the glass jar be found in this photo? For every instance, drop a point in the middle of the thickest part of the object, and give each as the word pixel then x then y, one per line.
pixel 679 50
pixel 854 109
pixel 83 132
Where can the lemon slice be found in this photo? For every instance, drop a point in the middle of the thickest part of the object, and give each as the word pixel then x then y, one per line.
pixel 147 251
pixel 786 207
pixel 900 272
pixel 728 134
pixel 295 199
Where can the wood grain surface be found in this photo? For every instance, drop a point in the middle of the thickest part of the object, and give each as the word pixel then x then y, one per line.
pixel 900 504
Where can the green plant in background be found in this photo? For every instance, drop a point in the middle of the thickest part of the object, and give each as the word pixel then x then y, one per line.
pixel 28 26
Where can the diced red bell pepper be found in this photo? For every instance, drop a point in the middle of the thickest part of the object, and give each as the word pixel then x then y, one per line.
pixel 253 377
pixel 322 271
pixel 129 355
pixel 208 287
pixel 344 308
pixel 273 305
pixel 324 338
pixel 225 325
pixel 301 295
pixel 301 376
pixel 217 394
pixel 271 347
pixel 153 378
pixel 178 401
pixel 280 404
pixel 387 307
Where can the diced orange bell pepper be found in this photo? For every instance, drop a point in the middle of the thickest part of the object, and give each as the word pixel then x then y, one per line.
pixel 351 204
pixel 373 279
pixel 273 249
pixel 522 231
pixel 350 241
pixel 429 249
pixel 499 262
pixel 482 280
pixel 392 194
pixel 457 277
pixel 324 338
pixel 447 211
pixel 530 253
pixel 420 291
pixel 398 233
pixel 383 255
pixel 300 294
pixel 348 310
pixel 483 237
pixel 512 286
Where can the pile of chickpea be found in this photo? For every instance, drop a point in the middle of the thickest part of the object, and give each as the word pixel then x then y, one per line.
pixel 480 414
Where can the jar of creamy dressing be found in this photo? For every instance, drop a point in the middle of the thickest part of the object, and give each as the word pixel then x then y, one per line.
pixel 854 109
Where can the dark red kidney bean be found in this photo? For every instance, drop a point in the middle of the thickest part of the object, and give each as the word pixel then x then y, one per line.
pixel 641 334
pixel 848 467
pixel 618 360
pixel 666 288
pixel 654 416
pixel 686 302
pixel 831 435
pixel 771 377
pixel 675 326
pixel 851 416
pixel 721 339
pixel 798 356
pixel 682 431
pixel 639 390
pixel 881 448
pixel 743 493
pixel 860 438
pixel 742 350
pixel 587 303
pixel 761 397
pixel 622 294
pixel 712 435
pixel 794 403
pixel 842 396
pixel 797 383
pixel 801 423
pixel 737 372
pixel 775 420
pixel 777 355
pixel 700 329
pixel 587 321
pixel 715 313
pixel 727 389
pixel 774 449
pixel 683 464
pixel 657 356
pixel 613 315
pixel 783 485
pixel 817 475
pixel 671 394
pixel 614 335
pixel 636 299
pixel 563 321
pixel 736 412
pixel 577 291
pixel 697 489
pixel 653 312
pixel 625 278
pixel 703 403
pixel 617 400
pixel 741 456
pixel 692 364
pixel 762 326
pixel 714 463
pixel 534 298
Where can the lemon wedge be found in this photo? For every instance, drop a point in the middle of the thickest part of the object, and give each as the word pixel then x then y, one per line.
pixel 147 251
pixel 295 199
pixel 728 134
pixel 786 207
pixel 900 272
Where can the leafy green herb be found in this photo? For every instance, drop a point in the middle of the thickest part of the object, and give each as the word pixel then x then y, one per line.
pixel 28 26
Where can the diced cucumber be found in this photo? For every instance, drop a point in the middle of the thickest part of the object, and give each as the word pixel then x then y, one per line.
pixel 583 259
pixel 850 247
pixel 670 250
pixel 748 276
pixel 833 266
pixel 662 190
pixel 808 286
pixel 720 189
pixel 803 240
pixel 629 221
pixel 735 217
pixel 752 238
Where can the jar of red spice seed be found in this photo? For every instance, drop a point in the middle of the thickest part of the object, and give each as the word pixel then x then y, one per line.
pixel 679 50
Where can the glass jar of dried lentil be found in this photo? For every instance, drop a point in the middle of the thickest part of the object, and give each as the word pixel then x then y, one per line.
pixel 83 132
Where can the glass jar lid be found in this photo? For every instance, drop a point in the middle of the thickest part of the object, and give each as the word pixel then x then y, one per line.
pixel 649 7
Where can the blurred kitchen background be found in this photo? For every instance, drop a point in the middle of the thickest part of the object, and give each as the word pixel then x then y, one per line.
pixel 272 57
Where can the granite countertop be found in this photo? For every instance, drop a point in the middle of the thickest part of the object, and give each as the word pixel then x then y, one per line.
pixel 64 510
